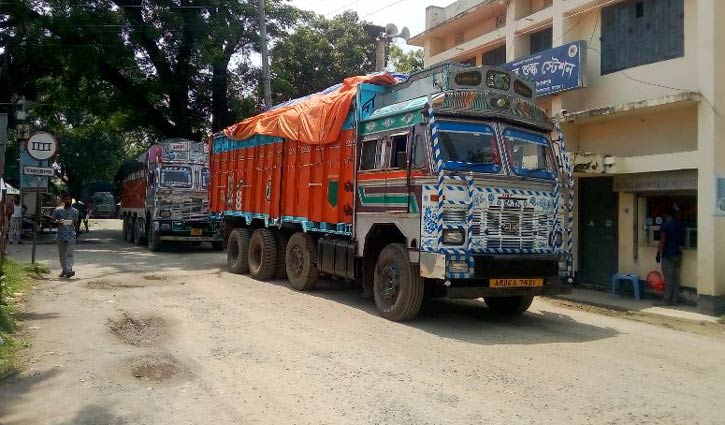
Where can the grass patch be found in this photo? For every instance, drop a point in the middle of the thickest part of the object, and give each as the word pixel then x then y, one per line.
pixel 15 282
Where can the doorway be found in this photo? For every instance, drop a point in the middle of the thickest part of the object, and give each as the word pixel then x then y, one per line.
pixel 598 231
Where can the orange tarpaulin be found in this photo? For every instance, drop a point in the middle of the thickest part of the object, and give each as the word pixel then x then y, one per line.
pixel 316 120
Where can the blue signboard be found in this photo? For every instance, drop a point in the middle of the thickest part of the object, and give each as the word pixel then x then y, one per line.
pixel 554 70
pixel 32 183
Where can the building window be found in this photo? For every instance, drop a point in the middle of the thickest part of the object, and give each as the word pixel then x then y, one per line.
pixel 540 40
pixel 495 57
pixel 640 32
pixel 686 207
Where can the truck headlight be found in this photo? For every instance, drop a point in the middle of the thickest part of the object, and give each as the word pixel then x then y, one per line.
pixel 453 237
pixel 164 213
pixel 455 266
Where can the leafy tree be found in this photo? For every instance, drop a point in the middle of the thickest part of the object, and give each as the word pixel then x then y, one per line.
pixel 405 62
pixel 320 54
pixel 163 65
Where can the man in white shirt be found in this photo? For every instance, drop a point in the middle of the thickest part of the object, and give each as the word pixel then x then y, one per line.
pixel 16 221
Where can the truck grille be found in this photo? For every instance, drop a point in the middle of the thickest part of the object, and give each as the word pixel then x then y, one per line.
pixel 509 227
pixel 191 208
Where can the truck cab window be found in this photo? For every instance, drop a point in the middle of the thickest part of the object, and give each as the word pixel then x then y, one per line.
pixel 398 159
pixel 369 151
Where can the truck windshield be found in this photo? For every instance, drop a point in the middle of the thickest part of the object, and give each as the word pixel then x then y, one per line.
pixel 468 147
pixel 530 154
pixel 179 177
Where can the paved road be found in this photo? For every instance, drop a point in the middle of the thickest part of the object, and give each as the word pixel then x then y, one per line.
pixel 172 338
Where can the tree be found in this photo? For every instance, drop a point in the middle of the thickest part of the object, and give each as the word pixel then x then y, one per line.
pixel 405 62
pixel 320 54
pixel 163 65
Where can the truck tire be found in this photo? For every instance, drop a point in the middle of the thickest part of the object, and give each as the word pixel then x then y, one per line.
pixel 262 254
pixel 131 228
pixel 282 241
pixel 237 251
pixel 154 241
pixel 139 234
pixel 125 229
pixel 397 288
pixel 301 262
pixel 509 306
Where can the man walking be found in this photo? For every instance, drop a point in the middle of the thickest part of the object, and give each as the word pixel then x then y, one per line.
pixel 16 221
pixel 670 254
pixel 66 217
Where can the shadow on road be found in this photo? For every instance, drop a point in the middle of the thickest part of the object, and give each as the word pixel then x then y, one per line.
pixel 13 388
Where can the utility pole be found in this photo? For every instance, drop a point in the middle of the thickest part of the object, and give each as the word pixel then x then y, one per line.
pixel 3 218
pixel 265 56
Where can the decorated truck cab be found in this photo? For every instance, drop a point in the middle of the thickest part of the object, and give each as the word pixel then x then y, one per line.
pixel 445 182
pixel 164 196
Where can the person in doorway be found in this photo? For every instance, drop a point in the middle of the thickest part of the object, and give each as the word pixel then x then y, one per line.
pixel 15 234
pixel 66 217
pixel 669 254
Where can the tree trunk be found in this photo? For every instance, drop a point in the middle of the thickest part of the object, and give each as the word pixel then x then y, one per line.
pixel 221 117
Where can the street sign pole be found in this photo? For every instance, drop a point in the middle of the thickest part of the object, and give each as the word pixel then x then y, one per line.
pixel 41 146
pixel 3 221
pixel 36 222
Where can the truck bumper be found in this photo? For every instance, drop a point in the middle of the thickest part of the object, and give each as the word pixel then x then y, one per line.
pixel 179 230
pixel 551 287
pixel 191 238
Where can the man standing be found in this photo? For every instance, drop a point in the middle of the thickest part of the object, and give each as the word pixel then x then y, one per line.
pixel 16 221
pixel 670 254
pixel 66 217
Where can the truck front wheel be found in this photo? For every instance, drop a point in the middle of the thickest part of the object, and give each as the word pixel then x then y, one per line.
pixel 131 226
pixel 509 306
pixel 301 262
pixel 262 254
pixel 238 251
pixel 154 241
pixel 397 288
pixel 139 233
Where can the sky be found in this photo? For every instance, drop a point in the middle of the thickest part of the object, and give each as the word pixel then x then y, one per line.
pixel 409 13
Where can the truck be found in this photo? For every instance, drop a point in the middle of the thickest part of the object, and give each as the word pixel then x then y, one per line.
pixel 164 196
pixel 444 183
pixel 103 204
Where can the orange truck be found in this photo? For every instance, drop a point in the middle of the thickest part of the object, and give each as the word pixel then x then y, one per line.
pixel 444 183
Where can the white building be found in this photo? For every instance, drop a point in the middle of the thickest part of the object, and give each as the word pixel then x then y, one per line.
pixel 647 127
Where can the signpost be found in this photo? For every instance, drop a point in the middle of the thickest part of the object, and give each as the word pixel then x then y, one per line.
pixel 42 147
pixel 554 70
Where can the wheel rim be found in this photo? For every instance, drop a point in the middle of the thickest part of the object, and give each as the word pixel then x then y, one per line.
pixel 233 253
pixel 296 261
pixel 390 283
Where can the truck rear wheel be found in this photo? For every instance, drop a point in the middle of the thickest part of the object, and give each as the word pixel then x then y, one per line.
pixel 237 251
pixel 397 288
pixel 262 254
pixel 125 229
pixel 300 262
pixel 131 228
pixel 139 233
pixel 154 242
pixel 509 306
pixel 282 241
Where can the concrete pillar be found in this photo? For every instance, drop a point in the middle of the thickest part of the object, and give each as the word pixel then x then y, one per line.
pixel 711 146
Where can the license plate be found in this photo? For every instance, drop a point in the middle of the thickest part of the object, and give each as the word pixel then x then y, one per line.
pixel 196 232
pixel 515 283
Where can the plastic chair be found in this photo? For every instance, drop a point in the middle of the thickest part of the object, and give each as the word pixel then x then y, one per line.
pixel 636 284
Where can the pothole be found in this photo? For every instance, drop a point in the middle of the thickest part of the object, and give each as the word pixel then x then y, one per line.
pixel 104 284
pixel 138 331
pixel 155 367
pixel 158 277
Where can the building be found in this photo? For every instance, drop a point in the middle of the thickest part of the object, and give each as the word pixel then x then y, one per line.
pixel 645 118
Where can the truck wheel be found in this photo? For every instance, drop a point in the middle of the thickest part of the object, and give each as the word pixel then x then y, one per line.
pixel 217 246
pixel 139 234
pixel 131 228
pixel 397 288
pixel 262 254
pixel 301 259
pixel 237 251
pixel 125 229
pixel 282 241
pixel 509 306
pixel 154 241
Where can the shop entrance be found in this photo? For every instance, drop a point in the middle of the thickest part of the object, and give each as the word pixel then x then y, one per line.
pixel 598 230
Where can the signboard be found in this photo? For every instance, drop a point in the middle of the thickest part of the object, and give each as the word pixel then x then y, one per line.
pixel 42 146
pixel 29 183
pixel 654 182
pixel 39 171
pixel 554 70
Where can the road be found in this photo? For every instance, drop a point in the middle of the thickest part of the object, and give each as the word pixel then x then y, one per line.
pixel 172 338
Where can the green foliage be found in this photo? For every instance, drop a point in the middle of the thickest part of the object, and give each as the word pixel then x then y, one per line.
pixel 320 54
pixel 405 62
pixel 14 282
